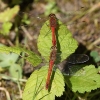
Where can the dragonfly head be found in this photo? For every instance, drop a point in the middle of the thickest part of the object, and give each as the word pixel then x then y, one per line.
pixel 52 15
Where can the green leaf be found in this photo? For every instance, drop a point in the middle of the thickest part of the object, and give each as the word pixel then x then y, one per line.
pixel 6 60
pixel 35 86
pixel 6 17
pixel 16 71
pixel 95 56
pixel 5 49
pixel 6 28
pixel 90 80
pixel 16 2
pixel 66 44
pixel 51 8
pixel 97 59
pixel 25 19
pixel 8 14
pixel 30 56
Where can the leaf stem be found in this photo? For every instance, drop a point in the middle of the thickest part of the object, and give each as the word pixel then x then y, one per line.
pixel 11 78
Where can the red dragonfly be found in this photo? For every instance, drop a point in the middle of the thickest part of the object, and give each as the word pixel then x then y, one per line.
pixel 53 26
pixel 51 64
pixel 64 67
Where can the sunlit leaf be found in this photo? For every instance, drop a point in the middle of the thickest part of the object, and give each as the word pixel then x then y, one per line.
pixel 35 86
pixel 33 58
pixel 15 71
pixel 51 8
pixel 8 14
pixel 87 82
pixel 6 28
pixel 66 44
pixel 95 56
pixel 6 60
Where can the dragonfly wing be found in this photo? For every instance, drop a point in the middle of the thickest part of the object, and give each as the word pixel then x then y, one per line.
pixel 77 58
pixel 71 70
pixel 64 67
pixel 69 67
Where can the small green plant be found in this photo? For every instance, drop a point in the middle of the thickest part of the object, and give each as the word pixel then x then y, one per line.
pixel 51 8
pixel 8 61
pixel 25 19
pixel 6 18
pixel 95 56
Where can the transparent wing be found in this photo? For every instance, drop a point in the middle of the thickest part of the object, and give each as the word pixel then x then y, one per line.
pixel 77 58
pixel 69 66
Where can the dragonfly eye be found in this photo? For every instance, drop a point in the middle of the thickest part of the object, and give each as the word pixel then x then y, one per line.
pixel 53 47
pixel 52 15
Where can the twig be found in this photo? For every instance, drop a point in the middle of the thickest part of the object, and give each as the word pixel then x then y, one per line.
pixel 95 7
pixel 27 33
pixel 94 43
pixel 7 93
pixel 11 44
pixel 20 91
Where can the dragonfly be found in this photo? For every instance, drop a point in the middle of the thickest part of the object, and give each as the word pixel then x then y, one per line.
pixel 53 26
pixel 64 66
pixel 51 64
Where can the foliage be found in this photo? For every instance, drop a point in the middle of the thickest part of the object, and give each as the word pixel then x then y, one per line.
pixel 9 60
pixel 88 80
pixel 66 45
pixel 6 17
pixel 95 56
pixel 35 87
pixel 30 56
pixel 25 19
pixel 6 28
pixel 51 8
